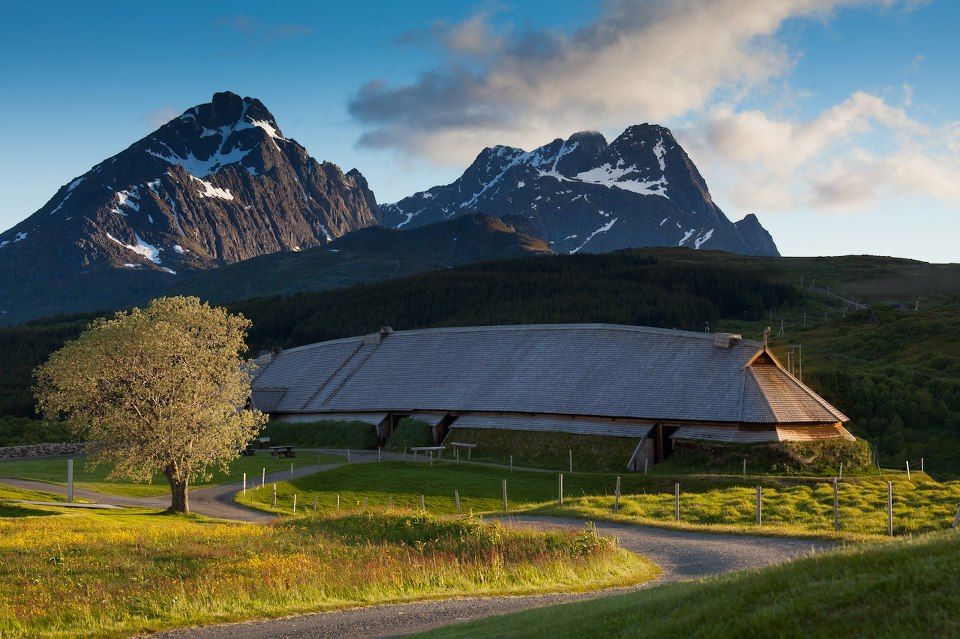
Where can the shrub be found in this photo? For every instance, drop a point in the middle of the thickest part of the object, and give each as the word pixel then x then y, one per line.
pixel 326 434
pixel 410 433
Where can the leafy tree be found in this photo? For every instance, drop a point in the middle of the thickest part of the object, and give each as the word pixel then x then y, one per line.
pixel 158 390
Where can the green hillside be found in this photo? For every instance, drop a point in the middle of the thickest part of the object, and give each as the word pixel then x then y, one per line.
pixel 895 373
pixel 907 589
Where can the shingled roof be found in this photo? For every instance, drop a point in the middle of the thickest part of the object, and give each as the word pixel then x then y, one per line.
pixel 596 370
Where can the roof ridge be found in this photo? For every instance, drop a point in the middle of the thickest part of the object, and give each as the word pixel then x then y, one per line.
pixel 629 328
pixel 830 408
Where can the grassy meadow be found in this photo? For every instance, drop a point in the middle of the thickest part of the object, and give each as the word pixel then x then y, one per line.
pixel 110 574
pixel 791 506
pixel 54 470
pixel 905 589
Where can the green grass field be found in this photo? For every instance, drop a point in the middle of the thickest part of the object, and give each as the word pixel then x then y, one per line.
pixel 906 589
pixel 109 574
pixel 791 506
pixel 11 496
pixel 54 470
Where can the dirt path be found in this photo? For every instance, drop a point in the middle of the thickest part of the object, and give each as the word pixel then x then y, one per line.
pixel 681 555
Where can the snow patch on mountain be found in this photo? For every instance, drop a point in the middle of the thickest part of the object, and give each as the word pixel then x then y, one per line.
pixel 603 229
pixel 613 177
pixel 143 248
pixel 210 190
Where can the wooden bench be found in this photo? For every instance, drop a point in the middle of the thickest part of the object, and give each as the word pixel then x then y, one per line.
pixel 282 451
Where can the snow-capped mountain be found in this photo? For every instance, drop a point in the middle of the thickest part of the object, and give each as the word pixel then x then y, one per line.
pixel 582 194
pixel 216 185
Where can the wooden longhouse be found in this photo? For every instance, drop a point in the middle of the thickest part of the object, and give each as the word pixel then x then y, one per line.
pixel 656 386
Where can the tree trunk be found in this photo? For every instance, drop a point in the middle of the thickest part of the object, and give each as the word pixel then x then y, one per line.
pixel 180 500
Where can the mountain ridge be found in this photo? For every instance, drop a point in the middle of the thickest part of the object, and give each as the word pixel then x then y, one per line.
pixel 583 194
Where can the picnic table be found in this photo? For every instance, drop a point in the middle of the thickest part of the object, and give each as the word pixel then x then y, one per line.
pixel 249 451
pixel 458 445
pixel 282 451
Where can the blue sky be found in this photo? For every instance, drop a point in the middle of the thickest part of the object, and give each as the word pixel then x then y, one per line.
pixel 836 121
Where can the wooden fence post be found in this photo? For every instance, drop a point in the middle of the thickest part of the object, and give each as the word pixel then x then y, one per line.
pixel 294 503
pixel 379 454
pixel 676 500
pixel 431 459
pixel 759 505
pixel 456 499
pixel 291 470
pixel 616 497
pixel 348 455
pixel 366 504
pixel 841 470
pixel 338 503
pixel 744 466
pixel 244 483
pixel 908 470
pixel 422 506
pixel 70 481
pixel 836 505
pixel 274 495
pixel 560 487
pixel 314 503
pixel 511 463
pixel 505 506
pixel 263 477
pixel 890 508
pixel 921 465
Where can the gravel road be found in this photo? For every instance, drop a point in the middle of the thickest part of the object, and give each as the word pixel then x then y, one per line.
pixel 680 554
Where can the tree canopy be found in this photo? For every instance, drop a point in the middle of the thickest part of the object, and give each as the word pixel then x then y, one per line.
pixel 156 390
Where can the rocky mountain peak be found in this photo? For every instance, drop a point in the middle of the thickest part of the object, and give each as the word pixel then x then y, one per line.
pixel 582 194
pixel 218 184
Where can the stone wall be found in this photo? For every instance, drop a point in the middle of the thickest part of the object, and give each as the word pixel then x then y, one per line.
pixel 40 450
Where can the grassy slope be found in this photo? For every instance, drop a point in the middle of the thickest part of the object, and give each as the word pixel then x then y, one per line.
pixel 54 470
pixel 793 506
pixel 903 590
pixel 10 496
pixel 104 574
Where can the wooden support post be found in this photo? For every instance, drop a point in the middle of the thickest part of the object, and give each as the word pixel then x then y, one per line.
pixel 456 500
pixel 890 508
pixel 70 481
pixel 676 501
pixel 274 495
pixel 422 506
pixel 570 454
pixel 659 453
pixel 759 505
pixel 244 483
pixel 836 505
pixel 505 505
pixel 294 503
pixel 616 497
pixel 560 488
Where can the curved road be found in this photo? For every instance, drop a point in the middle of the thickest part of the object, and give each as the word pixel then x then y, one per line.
pixel 680 554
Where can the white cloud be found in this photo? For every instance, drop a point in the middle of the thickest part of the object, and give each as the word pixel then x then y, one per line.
pixel 639 60
pixel 848 156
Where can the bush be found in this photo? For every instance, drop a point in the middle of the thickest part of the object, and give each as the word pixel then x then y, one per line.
pixel 21 431
pixel 326 434
pixel 410 433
